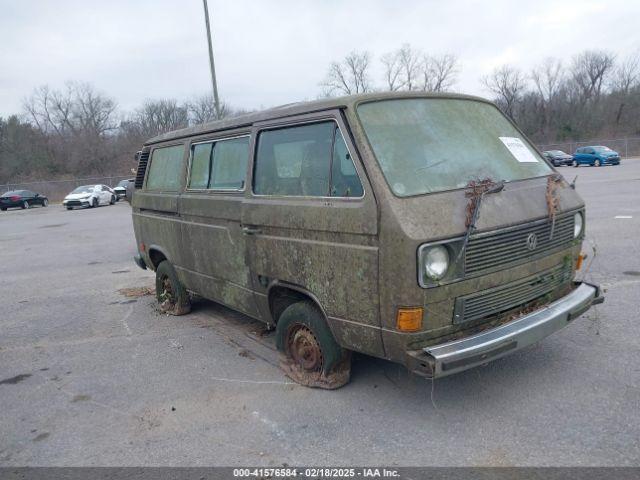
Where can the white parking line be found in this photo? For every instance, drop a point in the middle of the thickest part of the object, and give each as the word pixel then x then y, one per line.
pixel 623 216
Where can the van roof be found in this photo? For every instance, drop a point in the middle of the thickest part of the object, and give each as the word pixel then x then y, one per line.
pixel 297 108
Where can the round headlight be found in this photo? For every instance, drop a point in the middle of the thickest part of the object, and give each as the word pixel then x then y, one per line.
pixel 436 262
pixel 578 222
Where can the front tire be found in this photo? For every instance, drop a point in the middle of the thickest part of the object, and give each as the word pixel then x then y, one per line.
pixel 45 203
pixel 313 357
pixel 94 203
pixel 113 200
pixel 172 297
pixel 69 208
pixel 575 163
pixel 24 205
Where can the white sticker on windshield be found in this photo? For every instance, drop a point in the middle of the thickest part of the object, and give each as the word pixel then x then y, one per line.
pixel 518 149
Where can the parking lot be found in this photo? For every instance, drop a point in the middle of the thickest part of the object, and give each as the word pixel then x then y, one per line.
pixel 91 376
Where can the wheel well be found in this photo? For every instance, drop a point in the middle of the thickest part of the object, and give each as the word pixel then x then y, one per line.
pixel 281 297
pixel 156 256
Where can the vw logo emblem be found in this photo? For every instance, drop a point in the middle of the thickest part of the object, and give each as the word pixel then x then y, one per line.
pixel 532 241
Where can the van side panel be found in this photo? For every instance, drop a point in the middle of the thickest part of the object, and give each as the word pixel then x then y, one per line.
pixel 326 246
pixel 214 249
pixel 156 221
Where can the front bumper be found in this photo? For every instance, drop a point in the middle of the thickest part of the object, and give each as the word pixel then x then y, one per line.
pixel 76 203
pixel 140 261
pixel 458 355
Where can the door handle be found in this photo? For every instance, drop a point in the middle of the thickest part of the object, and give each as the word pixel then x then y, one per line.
pixel 251 230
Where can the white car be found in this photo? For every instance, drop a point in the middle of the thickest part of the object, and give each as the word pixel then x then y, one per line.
pixel 90 196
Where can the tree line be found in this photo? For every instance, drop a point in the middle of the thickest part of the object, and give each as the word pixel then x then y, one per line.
pixel 78 131
pixel 594 94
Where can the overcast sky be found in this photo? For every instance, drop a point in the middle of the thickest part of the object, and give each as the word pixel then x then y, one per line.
pixel 271 52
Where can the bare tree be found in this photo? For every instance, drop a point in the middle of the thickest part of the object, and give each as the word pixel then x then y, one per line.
pixel 439 73
pixel 508 85
pixel 392 71
pixel 350 76
pixel 590 71
pixel 76 109
pixel 159 116
pixel 202 109
pixel 626 74
pixel 548 79
pixel 410 62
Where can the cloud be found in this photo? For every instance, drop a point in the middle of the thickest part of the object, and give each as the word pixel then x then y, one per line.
pixel 277 51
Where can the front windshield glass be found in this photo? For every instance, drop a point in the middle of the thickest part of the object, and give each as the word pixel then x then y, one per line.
pixel 602 149
pixel 85 189
pixel 122 183
pixel 426 145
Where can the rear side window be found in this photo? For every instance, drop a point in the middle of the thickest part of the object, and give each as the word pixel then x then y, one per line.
pixel 306 160
pixel 220 165
pixel 166 169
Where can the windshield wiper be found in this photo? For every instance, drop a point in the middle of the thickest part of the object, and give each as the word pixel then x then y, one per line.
pixel 478 191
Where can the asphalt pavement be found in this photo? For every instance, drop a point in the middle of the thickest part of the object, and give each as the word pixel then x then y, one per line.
pixel 90 376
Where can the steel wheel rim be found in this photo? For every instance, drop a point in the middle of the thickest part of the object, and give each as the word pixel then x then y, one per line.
pixel 304 349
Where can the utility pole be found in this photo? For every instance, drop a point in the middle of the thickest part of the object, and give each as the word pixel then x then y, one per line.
pixel 211 64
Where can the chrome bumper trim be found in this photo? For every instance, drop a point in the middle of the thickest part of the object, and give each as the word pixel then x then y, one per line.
pixel 459 355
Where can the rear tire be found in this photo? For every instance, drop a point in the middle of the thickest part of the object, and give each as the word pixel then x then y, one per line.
pixel 313 357
pixel 24 205
pixel 3 209
pixel 113 200
pixel 94 203
pixel 172 297
pixel 69 208
pixel 597 163
pixel 45 203
pixel 575 163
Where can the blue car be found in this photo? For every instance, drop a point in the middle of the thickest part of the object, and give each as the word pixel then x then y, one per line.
pixel 595 156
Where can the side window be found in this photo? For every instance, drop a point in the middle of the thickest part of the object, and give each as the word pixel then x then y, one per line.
pixel 306 160
pixel 344 178
pixel 294 161
pixel 165 169
pixel 230 159
pixel 220 165
pixel 200 165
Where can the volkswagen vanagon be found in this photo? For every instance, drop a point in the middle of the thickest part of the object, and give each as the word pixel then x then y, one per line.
pixel 424 229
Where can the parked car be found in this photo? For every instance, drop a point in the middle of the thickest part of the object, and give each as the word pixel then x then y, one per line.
pixel 595 156
pixel 558 157
pixel 22 199
pixel 90 196
pixel 358 224
pixel 121 189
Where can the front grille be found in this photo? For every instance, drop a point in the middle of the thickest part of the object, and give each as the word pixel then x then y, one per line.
pixel 505 297
pixel 74 203
pixel 142 168
pixel 494 249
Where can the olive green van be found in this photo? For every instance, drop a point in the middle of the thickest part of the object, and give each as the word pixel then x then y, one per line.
pixel 424 229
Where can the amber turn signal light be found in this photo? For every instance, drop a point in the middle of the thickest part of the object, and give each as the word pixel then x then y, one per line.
pixel 409 319
pixel 579 260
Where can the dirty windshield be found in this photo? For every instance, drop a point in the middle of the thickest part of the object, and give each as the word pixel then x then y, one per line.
pixel 429 145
